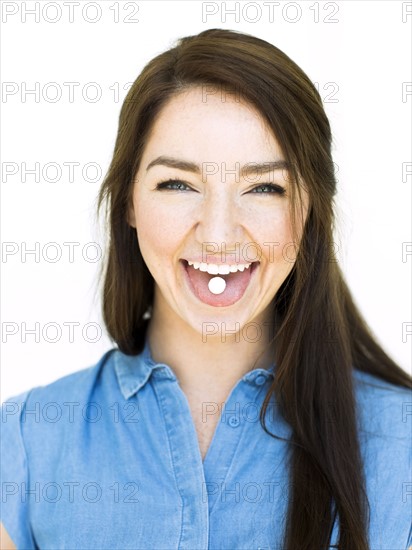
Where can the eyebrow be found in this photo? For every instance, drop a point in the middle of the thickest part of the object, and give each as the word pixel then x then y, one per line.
pixel 246 170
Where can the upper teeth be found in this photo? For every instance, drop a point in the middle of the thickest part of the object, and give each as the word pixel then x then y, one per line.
pixel 215 269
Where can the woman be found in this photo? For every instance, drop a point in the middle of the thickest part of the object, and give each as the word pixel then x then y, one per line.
pixel 247 404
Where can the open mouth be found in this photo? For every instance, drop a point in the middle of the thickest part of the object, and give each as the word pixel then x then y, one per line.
pixel 236 284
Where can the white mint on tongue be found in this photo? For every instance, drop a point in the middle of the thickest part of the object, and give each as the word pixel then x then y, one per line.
pixel 236 283
pixel 217 285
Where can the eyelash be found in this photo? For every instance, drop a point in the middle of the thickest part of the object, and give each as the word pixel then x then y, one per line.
pixel 275 189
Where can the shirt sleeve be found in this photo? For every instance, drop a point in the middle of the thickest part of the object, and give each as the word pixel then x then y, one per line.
pixel 409 545
pixel 14 474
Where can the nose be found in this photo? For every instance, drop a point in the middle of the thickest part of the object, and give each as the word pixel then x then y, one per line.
pixel 219 222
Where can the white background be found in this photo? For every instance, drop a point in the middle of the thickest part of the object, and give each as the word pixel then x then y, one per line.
pixel 365 54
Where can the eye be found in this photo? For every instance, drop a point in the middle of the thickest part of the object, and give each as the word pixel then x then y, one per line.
pixel 172 185
pixel 269 188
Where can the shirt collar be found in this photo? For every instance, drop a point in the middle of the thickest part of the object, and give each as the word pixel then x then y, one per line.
pixel 133 371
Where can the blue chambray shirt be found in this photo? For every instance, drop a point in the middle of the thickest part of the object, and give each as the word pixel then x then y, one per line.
pixel 108 458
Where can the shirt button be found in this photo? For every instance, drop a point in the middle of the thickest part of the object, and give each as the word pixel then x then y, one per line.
pixel 234 421
pixel 260 379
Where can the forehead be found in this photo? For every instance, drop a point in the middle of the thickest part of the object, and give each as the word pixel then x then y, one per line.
pixel 211 127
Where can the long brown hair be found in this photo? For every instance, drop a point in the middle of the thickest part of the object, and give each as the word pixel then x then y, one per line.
pixel 321 335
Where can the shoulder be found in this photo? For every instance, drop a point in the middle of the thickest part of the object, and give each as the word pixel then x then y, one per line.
pixel 39 430
pixel 42 405
pixel 384 416
pixel 383 408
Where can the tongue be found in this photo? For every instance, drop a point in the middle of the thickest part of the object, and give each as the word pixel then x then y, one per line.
pixel 236 284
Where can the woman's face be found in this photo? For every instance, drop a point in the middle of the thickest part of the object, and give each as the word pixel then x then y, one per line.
pixel 212 213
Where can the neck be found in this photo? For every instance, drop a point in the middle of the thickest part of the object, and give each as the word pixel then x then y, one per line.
pixel 213 366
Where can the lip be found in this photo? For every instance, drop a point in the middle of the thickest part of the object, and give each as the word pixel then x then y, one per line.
pixel 184 263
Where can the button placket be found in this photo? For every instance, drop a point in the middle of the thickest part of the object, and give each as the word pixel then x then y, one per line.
pixel 185 461
pixel 225 443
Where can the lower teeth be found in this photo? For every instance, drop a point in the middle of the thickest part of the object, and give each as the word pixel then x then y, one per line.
pixel 217 285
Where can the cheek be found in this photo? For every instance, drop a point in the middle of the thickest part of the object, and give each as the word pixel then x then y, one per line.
pixel 160 233
pixel 275 236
